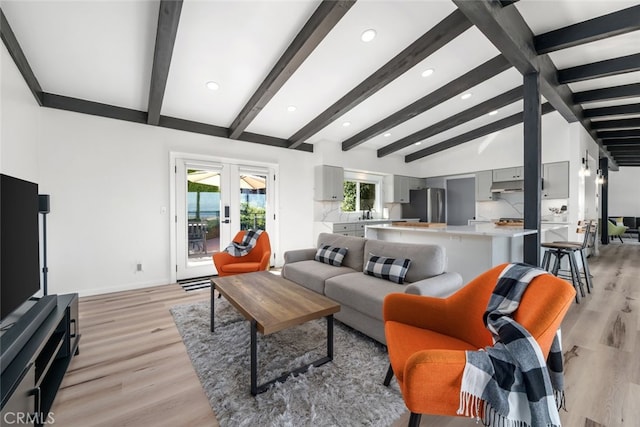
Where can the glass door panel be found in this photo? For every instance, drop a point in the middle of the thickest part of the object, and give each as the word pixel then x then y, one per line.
pixel 253 201
pixel 203 214
pixel 200 192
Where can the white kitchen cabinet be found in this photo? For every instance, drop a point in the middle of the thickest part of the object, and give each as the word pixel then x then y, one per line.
pixel 484 179
pixel 398 186
pixel 344 228
pixel 329 183
pixel 555 180
pixel 508 174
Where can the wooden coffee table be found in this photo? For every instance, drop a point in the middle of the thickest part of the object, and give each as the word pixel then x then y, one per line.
pixel 271 303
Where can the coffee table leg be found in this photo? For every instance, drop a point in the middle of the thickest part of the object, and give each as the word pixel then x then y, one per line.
pixel 330 337
pixel 257 389
pixel 213 287
pixel 254 359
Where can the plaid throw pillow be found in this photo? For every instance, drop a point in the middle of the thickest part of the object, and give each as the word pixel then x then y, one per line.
pixel 331 255
pixel 390 269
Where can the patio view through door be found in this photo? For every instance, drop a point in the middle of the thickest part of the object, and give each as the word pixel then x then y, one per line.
pixel 213 202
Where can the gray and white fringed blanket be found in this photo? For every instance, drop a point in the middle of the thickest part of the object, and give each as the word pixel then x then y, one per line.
pixel 509 384
pixel 243 248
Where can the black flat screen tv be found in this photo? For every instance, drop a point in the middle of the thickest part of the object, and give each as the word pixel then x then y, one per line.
pixel 19 243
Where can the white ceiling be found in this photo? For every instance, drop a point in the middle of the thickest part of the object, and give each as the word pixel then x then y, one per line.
pixel 102 51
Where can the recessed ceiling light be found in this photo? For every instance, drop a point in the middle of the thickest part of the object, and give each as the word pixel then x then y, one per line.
pixel 291 108
pixel 417 143
pixel 346 124
pixel 466 95
pixel 387 135
pixel 427 72
pixel 493 113
pixel 368 35
pixel 213 86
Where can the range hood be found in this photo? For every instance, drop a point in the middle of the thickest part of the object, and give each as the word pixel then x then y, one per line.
pixel 507 186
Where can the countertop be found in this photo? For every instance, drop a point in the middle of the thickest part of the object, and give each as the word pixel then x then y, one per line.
pixel 476 229
pixel 373 220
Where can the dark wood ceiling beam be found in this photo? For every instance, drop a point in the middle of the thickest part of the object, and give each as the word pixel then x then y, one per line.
pixel 628 156
pixel 616 124
pixel 610 67
pixel 604 94
pixel 469 114
pixel 614 134
pixel 599 28
pixel 483 72
pixel 621 141
pixel 110 111
pixel 508 31
pixel 326 16
pixel 83 106
pixel 615 110
pixel 617 149
pixel 168 19
pixel 12 45
pixel 474 134
pixel 441 34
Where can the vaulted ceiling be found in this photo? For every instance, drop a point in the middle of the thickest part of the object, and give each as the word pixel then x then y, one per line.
pixel 296 73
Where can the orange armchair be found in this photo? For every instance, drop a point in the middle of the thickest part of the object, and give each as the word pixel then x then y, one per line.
pixel 256 260
pixel 427 337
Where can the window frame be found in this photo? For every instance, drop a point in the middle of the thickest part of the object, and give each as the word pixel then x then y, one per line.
pixel 365 178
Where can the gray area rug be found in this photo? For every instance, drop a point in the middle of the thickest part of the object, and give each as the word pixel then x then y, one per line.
pixel 345 392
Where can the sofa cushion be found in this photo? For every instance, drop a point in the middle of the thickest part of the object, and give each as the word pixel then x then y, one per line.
pixel 331 255
pixel 426 260
pixel 360 292
pixel 354 245
pixel 391 269
pixel 312 274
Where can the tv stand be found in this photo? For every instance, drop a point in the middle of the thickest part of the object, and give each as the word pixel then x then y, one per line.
pixel 31 378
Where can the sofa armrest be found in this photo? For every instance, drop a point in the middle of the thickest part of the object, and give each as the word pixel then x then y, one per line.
pixel 439 286
pixel 297 255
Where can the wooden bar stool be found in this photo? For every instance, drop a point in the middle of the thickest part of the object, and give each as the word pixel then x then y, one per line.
pixel 569 249
pixel 589 242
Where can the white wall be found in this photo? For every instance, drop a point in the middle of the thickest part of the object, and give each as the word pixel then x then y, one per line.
pixel 501 149
pixel 19 123
pixel 624 197
pixel 109 181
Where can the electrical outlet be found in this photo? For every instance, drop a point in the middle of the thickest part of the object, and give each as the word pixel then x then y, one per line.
pixel 139 267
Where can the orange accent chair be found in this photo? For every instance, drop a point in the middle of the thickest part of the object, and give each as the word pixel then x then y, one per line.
pixel 256 260
pixel 427 337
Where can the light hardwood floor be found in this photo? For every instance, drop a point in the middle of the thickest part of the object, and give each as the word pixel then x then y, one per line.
pixel 133 369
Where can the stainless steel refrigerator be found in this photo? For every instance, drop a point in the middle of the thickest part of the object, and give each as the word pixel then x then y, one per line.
pixel 428 204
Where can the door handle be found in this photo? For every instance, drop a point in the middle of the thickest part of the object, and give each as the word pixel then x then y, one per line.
pixel 226 221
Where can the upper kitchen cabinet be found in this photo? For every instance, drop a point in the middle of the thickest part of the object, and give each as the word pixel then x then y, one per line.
pixel 484 179
pixel 508 174
pixel 329 182
pixel 555 180
pixel 397 187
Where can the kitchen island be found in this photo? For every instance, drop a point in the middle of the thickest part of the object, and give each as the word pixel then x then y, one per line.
pixel 471 249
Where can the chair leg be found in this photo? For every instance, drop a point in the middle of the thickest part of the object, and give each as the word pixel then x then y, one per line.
pixel 545 260
pixel 575 275
pixel 556 262
pixel 587 273
pixel 387 379
pixel 414 419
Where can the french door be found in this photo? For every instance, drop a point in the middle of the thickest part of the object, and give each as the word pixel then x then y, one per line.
pixel 213 201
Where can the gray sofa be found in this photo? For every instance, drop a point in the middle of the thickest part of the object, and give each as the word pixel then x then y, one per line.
pixel 361 295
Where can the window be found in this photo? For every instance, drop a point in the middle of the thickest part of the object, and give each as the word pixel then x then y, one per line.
pixel 361 192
